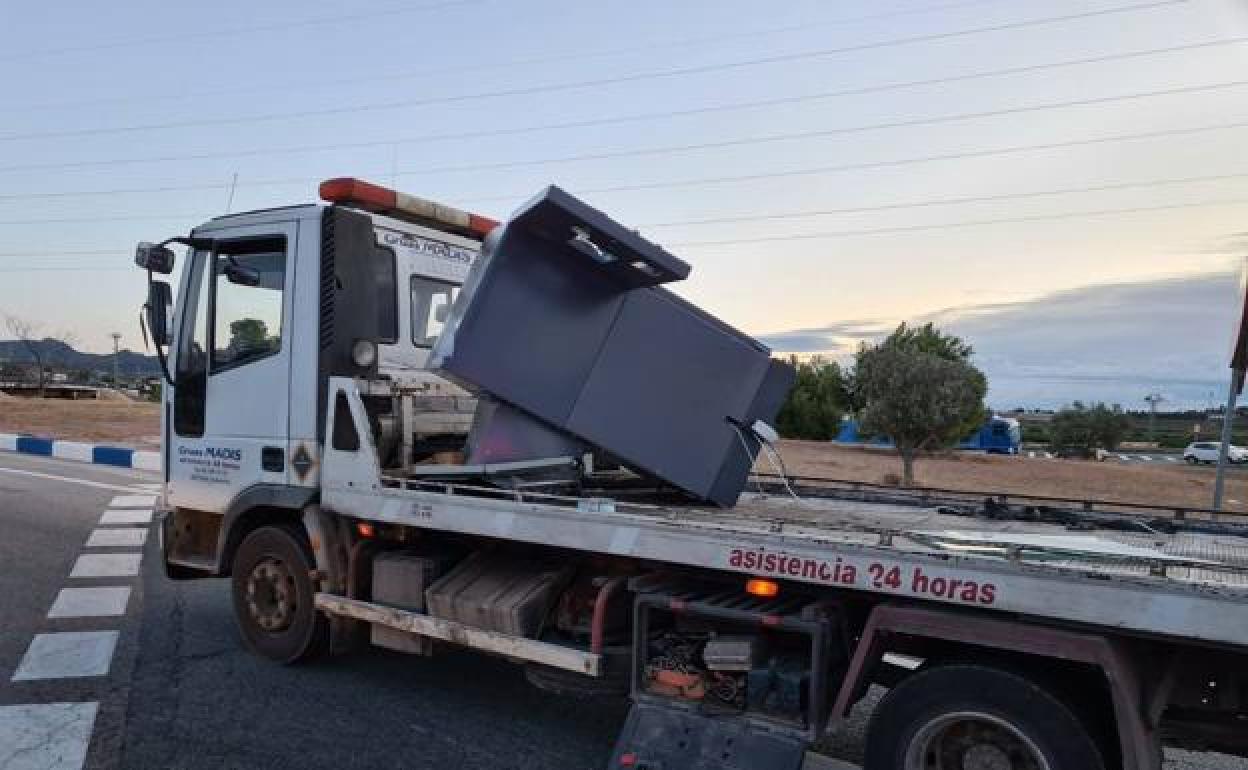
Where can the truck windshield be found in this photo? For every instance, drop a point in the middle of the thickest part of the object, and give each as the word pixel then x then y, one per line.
pixel 431 302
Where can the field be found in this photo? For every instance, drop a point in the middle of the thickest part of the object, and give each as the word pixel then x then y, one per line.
pixel 119 422
pixel 1149 484
pixel 137 424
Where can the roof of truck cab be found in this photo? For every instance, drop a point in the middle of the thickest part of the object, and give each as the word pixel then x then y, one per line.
pixel 263 216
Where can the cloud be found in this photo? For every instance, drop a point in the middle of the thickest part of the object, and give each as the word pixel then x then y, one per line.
pixel 1115 342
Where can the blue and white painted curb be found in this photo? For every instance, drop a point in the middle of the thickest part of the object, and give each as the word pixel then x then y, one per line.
pixel 78 451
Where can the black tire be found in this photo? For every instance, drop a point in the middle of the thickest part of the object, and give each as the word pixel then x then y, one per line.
pixel 951 711
pixel 1190 460
pixel 273 596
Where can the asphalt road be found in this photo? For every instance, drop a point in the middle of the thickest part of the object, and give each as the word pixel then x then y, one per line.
pixel 182 692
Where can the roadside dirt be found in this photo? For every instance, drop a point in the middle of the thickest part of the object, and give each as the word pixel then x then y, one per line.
pixel 121 423
pixel 137 424
pixel 1149 484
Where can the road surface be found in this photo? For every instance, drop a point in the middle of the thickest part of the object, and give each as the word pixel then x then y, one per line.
pixel 160 679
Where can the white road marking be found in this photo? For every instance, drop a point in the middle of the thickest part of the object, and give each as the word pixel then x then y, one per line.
pixel 1172 459
pixel 106 565
pixel 94 602
pixel 67 654
pixel 1124 458
pixel 1145 458
pixel 45 736
pixel 1048 455
pixel 117 537
pixel 126 517
pixel 68 479
pixel 133 501
pixel 1031 454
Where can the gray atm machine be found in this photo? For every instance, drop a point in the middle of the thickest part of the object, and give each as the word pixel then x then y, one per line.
pixel 565 323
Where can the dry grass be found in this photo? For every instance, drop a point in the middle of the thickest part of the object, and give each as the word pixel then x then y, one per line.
pixel 137 424
pixel 125 423
pixel 1149 484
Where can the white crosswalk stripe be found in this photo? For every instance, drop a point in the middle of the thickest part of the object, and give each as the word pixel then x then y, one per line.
pixel 127 517
pixel 91 565
pixel 66 654
pixel 115 537
pixel 92 602
pixel 133 501
pixel 45 736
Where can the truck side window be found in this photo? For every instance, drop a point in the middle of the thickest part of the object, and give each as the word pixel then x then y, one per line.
pixel 191 365
pixel 431 302
pixel 249 277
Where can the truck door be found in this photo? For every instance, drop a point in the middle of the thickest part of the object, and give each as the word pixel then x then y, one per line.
pixel 232 368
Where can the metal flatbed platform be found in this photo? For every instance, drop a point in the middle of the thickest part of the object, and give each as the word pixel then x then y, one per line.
pixel 1187 586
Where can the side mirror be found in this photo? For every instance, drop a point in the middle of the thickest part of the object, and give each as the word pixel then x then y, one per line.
pixel 243 276
pixel 151 256
pixel 159 299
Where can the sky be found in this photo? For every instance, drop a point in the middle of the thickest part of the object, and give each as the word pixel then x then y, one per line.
pixel 817 163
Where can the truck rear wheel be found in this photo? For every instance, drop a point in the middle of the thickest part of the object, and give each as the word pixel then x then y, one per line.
pixel 972 717
pixel 273 596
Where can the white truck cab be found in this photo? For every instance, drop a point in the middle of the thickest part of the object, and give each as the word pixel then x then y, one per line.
pixel 244 407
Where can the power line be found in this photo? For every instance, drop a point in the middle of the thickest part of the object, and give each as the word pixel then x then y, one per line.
pixel 182 36
pixel 949 225
pixel 817 133
pixel 734 219
pixel 580 84
pixel 815 170
pixel 847 233
pixel 635 117
pixel 706 145
pixel 305 84
pixel 942 201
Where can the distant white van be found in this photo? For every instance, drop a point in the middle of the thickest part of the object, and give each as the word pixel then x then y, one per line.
pixel 1207 452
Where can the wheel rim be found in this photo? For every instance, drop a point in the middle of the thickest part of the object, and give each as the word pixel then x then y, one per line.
pixel 272 595
pixel 972 741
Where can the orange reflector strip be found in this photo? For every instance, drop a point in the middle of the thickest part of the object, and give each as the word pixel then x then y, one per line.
pixel 763 588
pixel 365 529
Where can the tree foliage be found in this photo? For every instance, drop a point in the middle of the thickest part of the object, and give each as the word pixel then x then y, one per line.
pixel 1087 428
pixel 815 406
pixel 920 400
pixel 916 387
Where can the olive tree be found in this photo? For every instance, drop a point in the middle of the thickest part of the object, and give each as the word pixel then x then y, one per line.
pixel 918 398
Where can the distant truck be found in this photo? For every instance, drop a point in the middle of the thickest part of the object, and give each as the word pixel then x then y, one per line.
pixel 998 435
pixel 326 450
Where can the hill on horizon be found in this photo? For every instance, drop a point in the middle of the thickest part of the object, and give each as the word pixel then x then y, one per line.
pixel 60 355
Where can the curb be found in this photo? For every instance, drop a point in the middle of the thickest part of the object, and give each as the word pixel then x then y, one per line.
pixel 77 451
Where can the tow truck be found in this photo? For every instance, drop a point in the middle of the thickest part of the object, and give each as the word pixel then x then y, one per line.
pixel 391 421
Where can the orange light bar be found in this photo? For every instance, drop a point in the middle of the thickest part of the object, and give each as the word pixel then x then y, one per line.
pixel 365 529
pixel 762 587
pixel 382 200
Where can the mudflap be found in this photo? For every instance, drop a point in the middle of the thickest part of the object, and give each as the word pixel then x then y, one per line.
pixel 661 738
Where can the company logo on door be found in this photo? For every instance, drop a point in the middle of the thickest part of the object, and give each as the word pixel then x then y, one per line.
pixel 212 464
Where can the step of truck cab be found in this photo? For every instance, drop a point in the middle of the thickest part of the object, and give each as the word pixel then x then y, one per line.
pixel 664 738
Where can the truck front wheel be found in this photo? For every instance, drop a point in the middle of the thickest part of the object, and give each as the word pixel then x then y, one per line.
pixel 971 716
pixel 273 595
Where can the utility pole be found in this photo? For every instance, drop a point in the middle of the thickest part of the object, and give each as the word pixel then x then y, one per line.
pixel 1239 365
pixel 116 344
pixel 1153 400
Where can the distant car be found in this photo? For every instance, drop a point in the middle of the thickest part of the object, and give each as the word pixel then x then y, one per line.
pixel 1207 452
